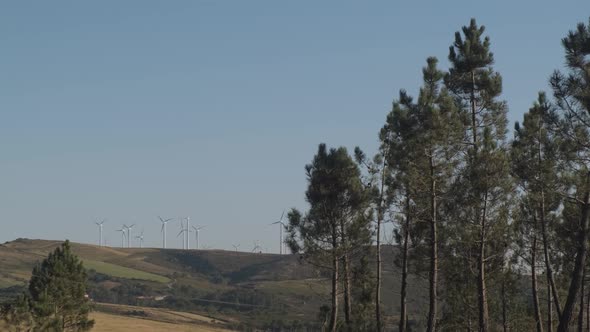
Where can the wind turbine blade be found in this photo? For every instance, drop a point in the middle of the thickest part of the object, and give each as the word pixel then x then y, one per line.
pixel 182 231
pixel 282 215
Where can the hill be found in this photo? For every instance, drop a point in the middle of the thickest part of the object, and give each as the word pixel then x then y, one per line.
pixel 252 289
pixel 121 318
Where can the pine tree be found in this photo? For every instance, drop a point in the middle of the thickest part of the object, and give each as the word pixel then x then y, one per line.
pixel 401 128
pixel 572 95
pixel 535 155
pixel 485 181
pixel 423 139
pixel 337 227
pixel 439 137
pixel 380 184
pixel 58 292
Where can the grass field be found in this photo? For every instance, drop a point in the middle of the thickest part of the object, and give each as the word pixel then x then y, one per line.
pixel 110 317
pixel 123 272
pixel 307 287
pixel 116 318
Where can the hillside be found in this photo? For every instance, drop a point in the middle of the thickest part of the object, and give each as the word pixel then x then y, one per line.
pixel 252 289
pixel 122 318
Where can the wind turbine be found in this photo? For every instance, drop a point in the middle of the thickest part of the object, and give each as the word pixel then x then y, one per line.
pixel 123 235
pixel 182 230
pixel 197 229
pixel 281 226
pixel 99 224
pixel 188 230
pixel 163 230
pixel 140 237
pixel 256 246
pixel 128 234
pixel 236 246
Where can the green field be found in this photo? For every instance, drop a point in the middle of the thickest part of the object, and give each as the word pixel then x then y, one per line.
pixel 123 272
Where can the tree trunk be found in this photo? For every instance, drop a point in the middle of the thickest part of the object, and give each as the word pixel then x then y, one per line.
pixel 403 311
pixel 549 309
pixel 536 306
pixel 481 279
pixel 380 212
pixel 334 313
pixel 504 308
pixel 346 275
pixel 347 291
pixel 588 313
pixel 550 279
pixel 581 311
pixel 549 271
pixel 431 326
pixel 378 286
pixel 580 263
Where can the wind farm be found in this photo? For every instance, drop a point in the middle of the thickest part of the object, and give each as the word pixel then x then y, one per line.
pixel 183 236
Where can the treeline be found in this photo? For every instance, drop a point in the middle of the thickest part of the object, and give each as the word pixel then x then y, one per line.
pixel 498 225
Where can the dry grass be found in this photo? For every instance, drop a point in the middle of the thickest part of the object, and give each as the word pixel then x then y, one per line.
pixel 110 323
pixel 116 318
pixel 111 317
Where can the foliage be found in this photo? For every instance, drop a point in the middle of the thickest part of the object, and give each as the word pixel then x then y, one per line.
pixel 337 226
pixel 56 298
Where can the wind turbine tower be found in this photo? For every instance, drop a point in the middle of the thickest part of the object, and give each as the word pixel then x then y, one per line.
pixel 123 235
pixel 281 226
pixel 99 224
pixel 128 234
pixel 182 230
pixel 188 230
pixel 197 229
pixel 163 230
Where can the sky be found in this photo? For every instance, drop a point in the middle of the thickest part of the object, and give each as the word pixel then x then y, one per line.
pixel 127 110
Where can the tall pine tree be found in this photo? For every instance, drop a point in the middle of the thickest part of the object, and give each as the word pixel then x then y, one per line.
pixel 336 228
pixel 535 156
pixel 484 179
pixel 572 95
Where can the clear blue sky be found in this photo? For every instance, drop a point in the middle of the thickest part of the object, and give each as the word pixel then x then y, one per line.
pixel 131 109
